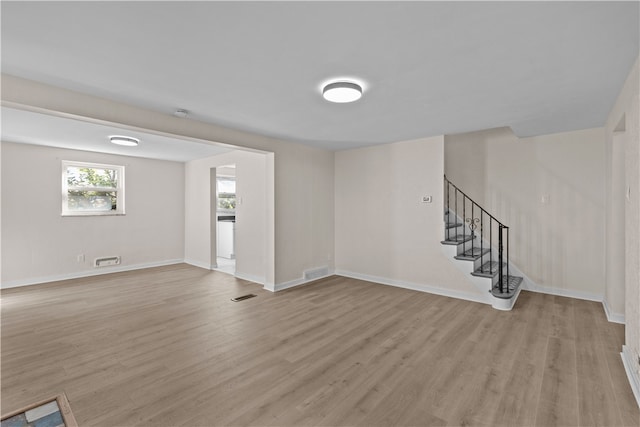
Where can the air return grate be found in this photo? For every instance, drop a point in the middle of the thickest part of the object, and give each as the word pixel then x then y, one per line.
pixel 316 273
pixel 242 298
pixel 106 261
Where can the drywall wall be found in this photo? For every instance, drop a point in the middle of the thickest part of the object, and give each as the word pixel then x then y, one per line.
pixel 615 235
pixel 626 112
pixel 303 176
pixel 384 232
pixel 464 161
pixel 0 214
pixel 251 246
pixel 38 244
pixel 550 191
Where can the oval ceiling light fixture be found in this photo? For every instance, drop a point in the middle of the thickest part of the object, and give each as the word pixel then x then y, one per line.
pixel 124 140
pixel 342 92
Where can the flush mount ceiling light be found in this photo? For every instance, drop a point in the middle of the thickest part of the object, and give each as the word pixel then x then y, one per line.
pixel 124 140
pixel 342 92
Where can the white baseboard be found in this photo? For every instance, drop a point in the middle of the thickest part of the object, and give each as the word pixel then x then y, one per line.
pixel 632 374
pixel 200 264
pixel 86 273
pixel 416 286
pixel 611 316
pixel 561 292
pixel 529 285
pixel 296 282
pixel 250 278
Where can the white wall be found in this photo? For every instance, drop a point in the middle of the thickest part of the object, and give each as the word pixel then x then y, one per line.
pixel 558 244
pixel 251 246
pixel 464 160
pixel 303 176
pixel 39 245
pixel 383 230
pixel 628 106
pixel 0 214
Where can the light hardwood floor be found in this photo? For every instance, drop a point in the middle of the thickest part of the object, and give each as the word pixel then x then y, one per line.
pixel 166 346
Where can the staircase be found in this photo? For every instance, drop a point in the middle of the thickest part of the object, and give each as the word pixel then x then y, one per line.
pixel 481 241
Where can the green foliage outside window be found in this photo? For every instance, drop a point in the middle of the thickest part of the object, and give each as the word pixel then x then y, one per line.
pixel 226 201
pixel 92 188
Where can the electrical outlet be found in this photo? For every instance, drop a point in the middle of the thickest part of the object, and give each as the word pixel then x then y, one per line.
pixel 80 258
pixel 427 199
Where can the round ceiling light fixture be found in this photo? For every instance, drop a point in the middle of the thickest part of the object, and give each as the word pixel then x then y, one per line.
pixel 124 140
pixel 342 92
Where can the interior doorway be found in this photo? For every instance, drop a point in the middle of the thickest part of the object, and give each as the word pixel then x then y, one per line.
pixel 250 254
pixel 225 218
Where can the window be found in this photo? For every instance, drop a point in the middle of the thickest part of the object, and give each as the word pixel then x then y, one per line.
pixel 92 189
pixel 226 194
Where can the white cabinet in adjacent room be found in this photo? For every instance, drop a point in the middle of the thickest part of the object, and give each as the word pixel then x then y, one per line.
pixel 226 235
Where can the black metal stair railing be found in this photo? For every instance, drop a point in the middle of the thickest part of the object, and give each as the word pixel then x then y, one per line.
pixel 487 224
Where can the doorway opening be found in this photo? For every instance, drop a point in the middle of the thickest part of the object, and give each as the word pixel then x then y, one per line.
pixel 225 213
pixel 240 214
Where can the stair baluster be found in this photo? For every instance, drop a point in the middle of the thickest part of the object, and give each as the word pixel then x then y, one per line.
pixel 504 288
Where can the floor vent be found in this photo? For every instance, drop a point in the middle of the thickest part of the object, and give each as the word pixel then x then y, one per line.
pixel 316 273
pixel 106 261
pixel 242 298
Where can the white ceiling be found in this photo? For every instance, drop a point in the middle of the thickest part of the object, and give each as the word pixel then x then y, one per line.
pixel 42 129
pixel 429 68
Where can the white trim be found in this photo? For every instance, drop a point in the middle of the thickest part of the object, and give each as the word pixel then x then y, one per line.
pixel 200 264
pixel 296 282
pixel 611 316
pixel 119 189
pixel 415 286
pixel 633 376
pixel 505 304
pixel 89 273
pixel 562 292
pixel 529 285
pixel 250 277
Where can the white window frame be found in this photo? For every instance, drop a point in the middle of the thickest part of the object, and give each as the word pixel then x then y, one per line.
pixel 119 190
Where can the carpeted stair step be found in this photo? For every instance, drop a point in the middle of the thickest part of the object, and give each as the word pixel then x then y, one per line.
pixel 489 269
pixel 457 239
pixel 512 283
pixel 472 254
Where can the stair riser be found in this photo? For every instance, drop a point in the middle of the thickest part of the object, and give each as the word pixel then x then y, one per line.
pixel 465 247
pixel 482 260
pixel 454 231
